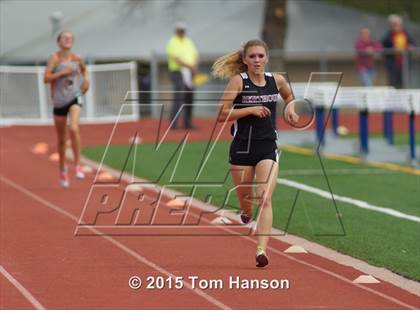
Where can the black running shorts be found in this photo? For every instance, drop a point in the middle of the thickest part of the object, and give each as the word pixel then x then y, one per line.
pixel 250 152
pixel 63 111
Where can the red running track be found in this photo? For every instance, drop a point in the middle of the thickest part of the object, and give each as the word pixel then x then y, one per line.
pixel 62 271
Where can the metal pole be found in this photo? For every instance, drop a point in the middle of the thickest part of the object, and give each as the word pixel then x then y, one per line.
pixel 134 90
pixel 334 120
pixel 406 70
pixel 154 83
pixel 412 136
pixel 42 93
pixel 364 132
pixel 90 94
pixel 412 131
pixel 319 123
pixel 391 127
pixel 385 124
pixel 364 128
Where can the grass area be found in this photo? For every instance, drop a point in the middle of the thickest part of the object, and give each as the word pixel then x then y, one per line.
pixel 377 238
pixel 399 138
pixel 409 8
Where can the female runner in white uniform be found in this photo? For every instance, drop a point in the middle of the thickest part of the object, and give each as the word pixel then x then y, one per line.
pixel 69 80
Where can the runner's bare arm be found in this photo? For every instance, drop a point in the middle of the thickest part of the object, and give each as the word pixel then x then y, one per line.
pixel 86 78
pixel 284 88
pixel 288 98
pixel 49 75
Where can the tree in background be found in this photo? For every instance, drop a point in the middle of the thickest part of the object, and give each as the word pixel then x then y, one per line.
pixel 274 31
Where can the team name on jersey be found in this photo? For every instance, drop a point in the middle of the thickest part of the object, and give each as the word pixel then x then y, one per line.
pixel 260 99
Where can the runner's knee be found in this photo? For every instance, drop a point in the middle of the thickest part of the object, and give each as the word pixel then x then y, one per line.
pixel 266 203
pixel 74 129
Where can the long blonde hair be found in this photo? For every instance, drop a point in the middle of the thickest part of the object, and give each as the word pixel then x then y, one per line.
pixel 232 63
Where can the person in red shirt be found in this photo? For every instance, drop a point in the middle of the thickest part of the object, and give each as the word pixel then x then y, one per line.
pixel 366 49
pixel 396 42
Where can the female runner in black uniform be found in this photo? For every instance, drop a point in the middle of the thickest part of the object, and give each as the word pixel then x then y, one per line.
pixel 250 100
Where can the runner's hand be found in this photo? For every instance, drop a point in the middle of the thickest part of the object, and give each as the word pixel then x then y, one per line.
pixel 260 111
pixel 85 86
pixel 67 71
pixel 291 116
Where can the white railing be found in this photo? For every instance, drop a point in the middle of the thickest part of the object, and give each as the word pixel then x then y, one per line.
pixel 25 99
pixel 373 99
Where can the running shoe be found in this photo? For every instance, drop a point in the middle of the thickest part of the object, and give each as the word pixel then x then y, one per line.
pixel 79 173
pixel 261 258
pixel 246 217
pixel 64 179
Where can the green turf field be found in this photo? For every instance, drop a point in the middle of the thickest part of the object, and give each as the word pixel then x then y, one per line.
pixel 378 238
pixel 399 138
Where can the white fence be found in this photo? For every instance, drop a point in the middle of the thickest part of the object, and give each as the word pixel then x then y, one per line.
pixel 25 99
pixel 374 99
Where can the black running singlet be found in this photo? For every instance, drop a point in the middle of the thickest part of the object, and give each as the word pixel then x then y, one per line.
pixel 252 127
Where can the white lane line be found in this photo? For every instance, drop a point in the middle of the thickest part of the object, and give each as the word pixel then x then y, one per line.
pixel 336 171
pixel 37 305
pixel 355 202
pixel 118 244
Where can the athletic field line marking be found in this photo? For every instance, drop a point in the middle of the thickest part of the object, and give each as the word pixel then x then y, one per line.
pixel 126 177
pixel 354 171
pixel 37 305
pixel 118 244
pixel 350 159
pixel 355 202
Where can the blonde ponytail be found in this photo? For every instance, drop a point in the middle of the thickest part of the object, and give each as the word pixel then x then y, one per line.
pixel 231 64
pixel 228 65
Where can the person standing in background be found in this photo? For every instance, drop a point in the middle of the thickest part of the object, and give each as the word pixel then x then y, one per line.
pixel 396 42
pixel 182 63
pixel 365 61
